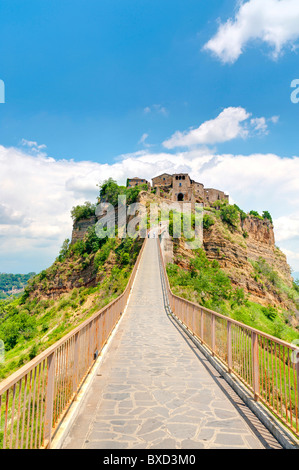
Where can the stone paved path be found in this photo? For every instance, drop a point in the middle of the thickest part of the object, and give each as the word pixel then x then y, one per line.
pixel 154 389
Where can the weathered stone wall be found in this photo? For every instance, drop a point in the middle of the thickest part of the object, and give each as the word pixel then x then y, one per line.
pixel 190 189
pixel 81 227
pixel 213 195
pixel 136 182
pixel 181 184
pixel 198 189
pixel 162 180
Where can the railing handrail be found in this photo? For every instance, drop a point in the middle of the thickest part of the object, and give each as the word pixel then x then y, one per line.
pixel 20 373
pixel 236 322
pixel 264 363
pixel 219 315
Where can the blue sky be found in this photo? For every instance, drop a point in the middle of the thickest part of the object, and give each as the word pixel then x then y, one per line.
pixel 79 74
pixel 89 81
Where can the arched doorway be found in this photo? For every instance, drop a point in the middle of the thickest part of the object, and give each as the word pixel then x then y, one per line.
pixel 180 197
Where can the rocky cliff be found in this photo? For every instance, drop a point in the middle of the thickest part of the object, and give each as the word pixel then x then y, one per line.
pixel 247 253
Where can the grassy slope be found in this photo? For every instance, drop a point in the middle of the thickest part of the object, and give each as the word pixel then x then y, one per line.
pixel 30 324
pixel 205 283
pixel 35 321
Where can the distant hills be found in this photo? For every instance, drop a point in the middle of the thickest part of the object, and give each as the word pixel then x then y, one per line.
pixel 11 284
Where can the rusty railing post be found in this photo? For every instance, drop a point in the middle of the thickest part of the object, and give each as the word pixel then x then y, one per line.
pixel 229 347
pixel 49 400
pixel 297 369
pixel 255 365
pixel 76 363
pixel 213 335
pixel 201 325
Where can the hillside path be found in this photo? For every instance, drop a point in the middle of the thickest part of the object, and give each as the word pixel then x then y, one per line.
pixel 154 389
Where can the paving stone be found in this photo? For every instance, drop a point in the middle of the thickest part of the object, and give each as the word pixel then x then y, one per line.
pixel 205 434
pixel 105 445
pixel 165 444
pixel 181 430
pixel 152 388
pixel 149 425
pixel 116 396
pixel 229 439
pixel 189 444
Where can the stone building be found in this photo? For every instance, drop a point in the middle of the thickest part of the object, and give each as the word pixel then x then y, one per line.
pixel 180 187
pixel 163 180
pixel 213 195
pixel 131 182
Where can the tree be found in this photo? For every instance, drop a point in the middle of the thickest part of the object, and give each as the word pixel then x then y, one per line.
pixel 267 215
pixel 83 212
pixel 230 215
pixel 109 191
pixel 255 214
pixel 64 250
pixel 243 214
pixel 208 221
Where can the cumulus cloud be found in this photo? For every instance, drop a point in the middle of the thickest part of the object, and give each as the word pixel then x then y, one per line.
pixel 38 192
pixel 156 108
pixel 143 141
pixel 273 22
pixel 231 123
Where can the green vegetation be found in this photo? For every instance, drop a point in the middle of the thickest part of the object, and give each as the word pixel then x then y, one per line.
pixel 110 190
pixel 83 212
pixel 230 215
pixel 205 283
pixel 208 221
pixel 33 322
pixel 255 214
pixel 267 215
pixel 265 274
pixel 243 214
pixel 9 282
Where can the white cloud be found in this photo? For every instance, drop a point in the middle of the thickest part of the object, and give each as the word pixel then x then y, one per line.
pixel 38 192
pixel 226 126
pixel 274 22
pixel 143 140
pixel 259 125
pixel 156 108
pixel 287 227
pixel 33 146
pixel 231 123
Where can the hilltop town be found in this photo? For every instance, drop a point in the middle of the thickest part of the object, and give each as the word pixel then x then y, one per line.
pixel 180 187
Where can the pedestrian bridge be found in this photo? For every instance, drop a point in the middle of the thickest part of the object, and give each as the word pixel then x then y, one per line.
pixel 154 371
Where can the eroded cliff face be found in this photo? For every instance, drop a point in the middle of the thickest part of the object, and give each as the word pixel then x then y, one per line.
pixel 237 250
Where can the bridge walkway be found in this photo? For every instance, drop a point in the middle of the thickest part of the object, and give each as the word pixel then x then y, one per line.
pixel 154 389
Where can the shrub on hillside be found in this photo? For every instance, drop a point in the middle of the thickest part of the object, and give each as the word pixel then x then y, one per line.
pixel 230 215
pixel 208 221
pixel 83 212
pixel 267 215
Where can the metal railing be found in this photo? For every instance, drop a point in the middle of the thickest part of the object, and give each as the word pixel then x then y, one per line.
pixel 35 399
pixel 268 366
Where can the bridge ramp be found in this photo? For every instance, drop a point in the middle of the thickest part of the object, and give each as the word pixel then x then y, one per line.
pixel 154 389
